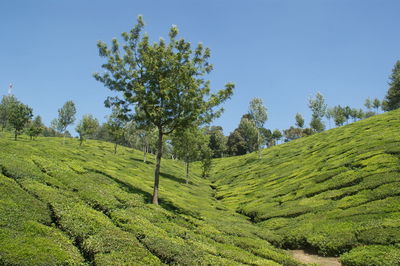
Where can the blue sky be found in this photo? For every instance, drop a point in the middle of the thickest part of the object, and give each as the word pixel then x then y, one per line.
pixel 279 50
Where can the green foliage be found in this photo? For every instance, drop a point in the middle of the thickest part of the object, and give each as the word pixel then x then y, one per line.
pixel 35 127
pixel 18 115
pixel 66 115
pixel 217 141
pixel 392 98
pixel 372 255
pixel 331 192
pixel 299 120
pixel 61 204
pixel 6 102
pixel 163 82
pixel 86 127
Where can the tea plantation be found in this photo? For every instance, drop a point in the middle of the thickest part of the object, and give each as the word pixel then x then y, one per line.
pixel 65 204
pixel 336 193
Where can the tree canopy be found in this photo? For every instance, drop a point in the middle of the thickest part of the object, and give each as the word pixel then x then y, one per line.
pixel 160 84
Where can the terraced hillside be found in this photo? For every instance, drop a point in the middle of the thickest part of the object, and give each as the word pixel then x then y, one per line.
pixel 334 192
pixel 65 204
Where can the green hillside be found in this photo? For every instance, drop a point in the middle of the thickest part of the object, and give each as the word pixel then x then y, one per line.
pixel 84 205
pixel 333 192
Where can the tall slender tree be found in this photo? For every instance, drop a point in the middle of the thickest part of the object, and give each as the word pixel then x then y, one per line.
pixel 318 108
pixel 162 82
pixel 299 120
pixel 258 113
pixel 66 117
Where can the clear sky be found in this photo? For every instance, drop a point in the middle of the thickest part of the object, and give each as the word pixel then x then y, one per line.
pixel 279 50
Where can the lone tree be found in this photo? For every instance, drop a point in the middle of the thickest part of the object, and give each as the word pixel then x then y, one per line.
pixel 66 117
pixel 86 127
pixel 162 82
pixel 258 113
pixel 18 115
pixel 299 120
pixel 392 98
pixel 318 108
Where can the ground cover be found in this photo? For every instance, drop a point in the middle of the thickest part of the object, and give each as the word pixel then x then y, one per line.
pixel 335 193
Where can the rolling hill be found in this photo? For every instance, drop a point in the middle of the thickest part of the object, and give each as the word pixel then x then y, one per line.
pixel 336 193
pixel 333 192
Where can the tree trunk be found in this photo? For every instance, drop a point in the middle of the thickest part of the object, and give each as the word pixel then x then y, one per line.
pixel 15 135
pixel 187 172
pixel 80 142
pixel 158 163
pixel 145 154
pixel 258 144
pixel 115 148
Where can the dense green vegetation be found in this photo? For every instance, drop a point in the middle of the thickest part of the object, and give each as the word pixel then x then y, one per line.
pixel 336 193
pixel 85 205
pixel 333 192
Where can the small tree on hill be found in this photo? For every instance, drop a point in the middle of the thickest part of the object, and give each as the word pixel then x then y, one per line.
pixel 338 115
pixel 299 120
pixel 115 126
pixel 258 113
pixel 392 98
pixel 318 108
pixel 188 144
pixel 86 127
pixel 164 82
pixel 368 104
pixel 66 117
pixel 18 115
pixel 376 103
pixel 35 127
pixel 276 135
pixel 5 106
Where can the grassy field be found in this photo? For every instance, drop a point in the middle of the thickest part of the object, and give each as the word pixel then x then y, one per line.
pixel 65 204
pixel 336 193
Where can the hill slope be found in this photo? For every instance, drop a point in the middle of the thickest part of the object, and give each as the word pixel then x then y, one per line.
pixel 330 192
pixel 333 192
pixel 65 204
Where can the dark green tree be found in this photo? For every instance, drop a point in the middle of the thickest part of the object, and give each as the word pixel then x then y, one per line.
pixel 18 115
pixel 392 98
pixel 162 82
pixel 236 144
pixel 217 141
pixel 276 135
pixel 5 106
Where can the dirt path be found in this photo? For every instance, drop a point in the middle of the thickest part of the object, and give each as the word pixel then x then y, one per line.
pixel 304 257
